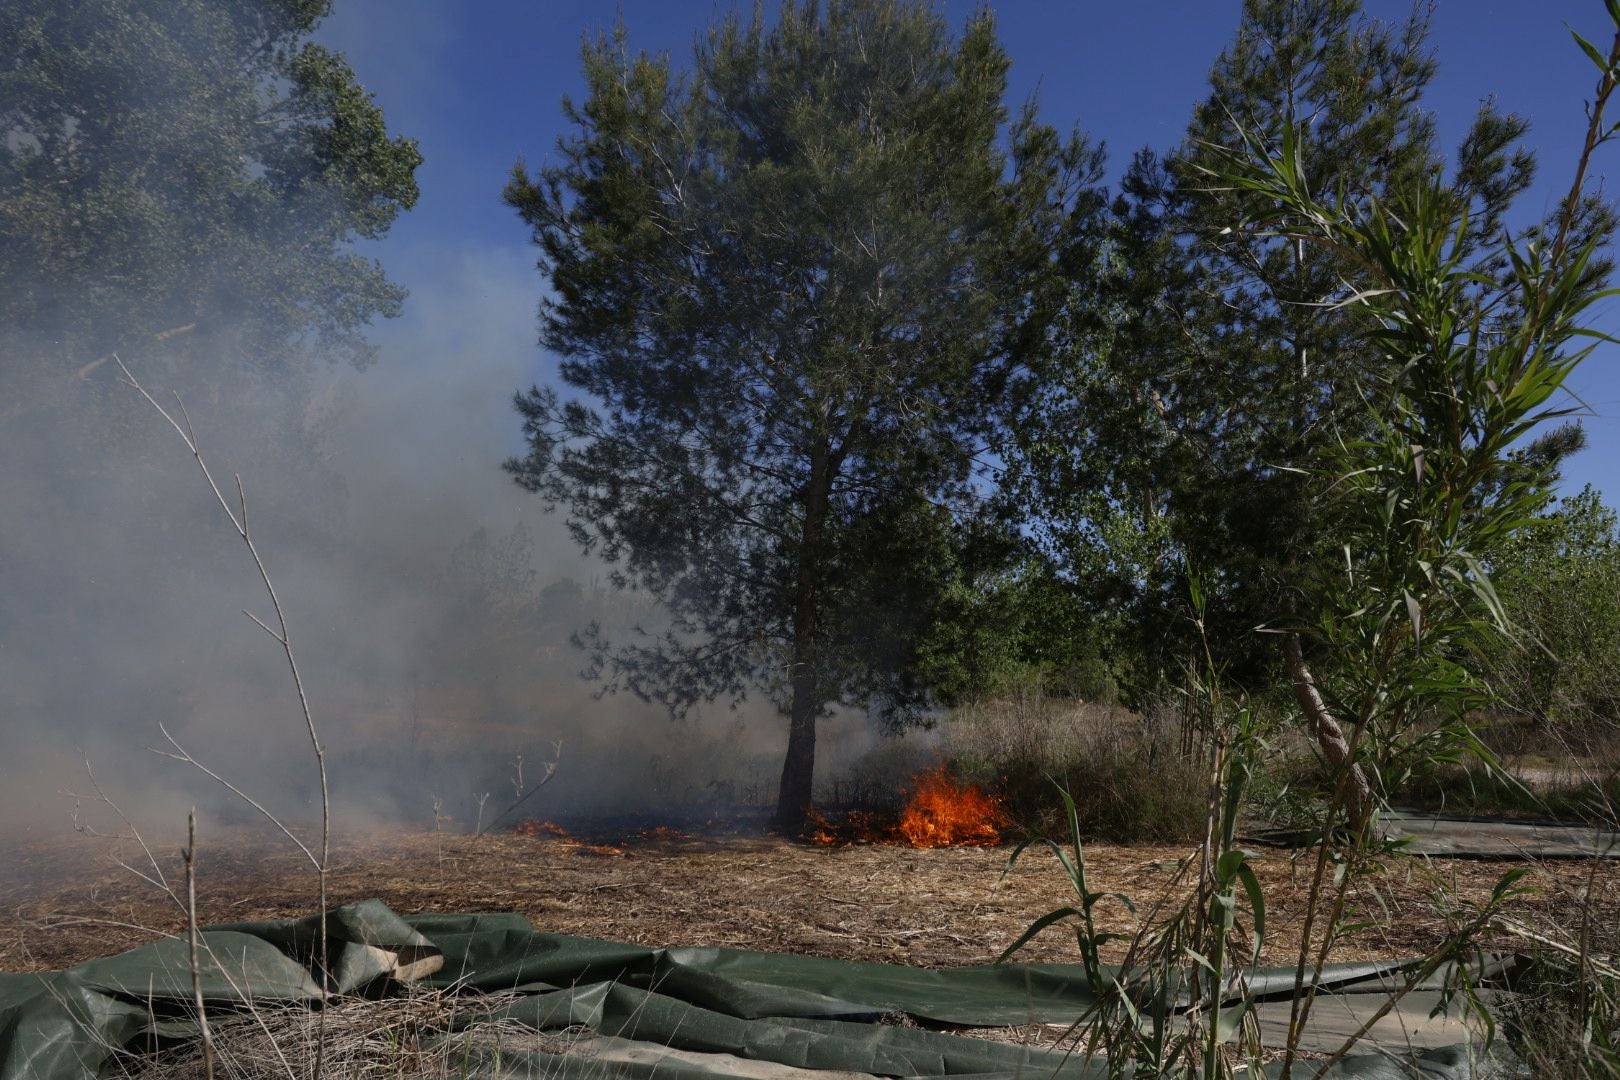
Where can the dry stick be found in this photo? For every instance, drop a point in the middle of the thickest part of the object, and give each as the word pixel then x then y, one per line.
pixel 244 992
pixel 1514 926
pixel 156 879
pixel 283 638
pixel 523 796
pixel 58 922
pixel 162 335
pixel 188 910
pixel 1417 978
pixel 1329 735
pixel 438 832
pixel 190 857
pixel 182 755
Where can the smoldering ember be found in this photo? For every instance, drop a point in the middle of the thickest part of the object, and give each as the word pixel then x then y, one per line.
pixel 882 538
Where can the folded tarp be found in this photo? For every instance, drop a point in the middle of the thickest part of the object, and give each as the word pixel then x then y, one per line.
pixel 679 1012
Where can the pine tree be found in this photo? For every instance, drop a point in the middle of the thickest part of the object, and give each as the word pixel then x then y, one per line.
pixel 1215 365
pixel 791 288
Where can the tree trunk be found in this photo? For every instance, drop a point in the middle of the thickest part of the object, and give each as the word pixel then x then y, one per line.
pixel 1329 736
pixel 798 769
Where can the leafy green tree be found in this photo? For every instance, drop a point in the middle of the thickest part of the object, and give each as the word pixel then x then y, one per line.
pixel 187 176
pixel 1006 624
pixel 1411 507
pixel 791 288
pixel 1217 364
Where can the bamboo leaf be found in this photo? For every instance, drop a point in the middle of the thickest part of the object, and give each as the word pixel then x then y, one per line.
pixel 1034 928
pixel 1257 909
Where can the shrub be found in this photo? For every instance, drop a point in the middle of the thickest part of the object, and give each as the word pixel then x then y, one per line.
pixel 1127 772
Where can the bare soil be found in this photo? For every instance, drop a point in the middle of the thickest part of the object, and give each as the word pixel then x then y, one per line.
pixel 67 900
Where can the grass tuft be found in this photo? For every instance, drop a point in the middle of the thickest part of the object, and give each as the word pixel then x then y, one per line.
pixel 431 1035
pixel 1129 777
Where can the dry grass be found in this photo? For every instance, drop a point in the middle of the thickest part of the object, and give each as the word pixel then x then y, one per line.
pixel 66 904
pixel 388 1038
pixel 1128 773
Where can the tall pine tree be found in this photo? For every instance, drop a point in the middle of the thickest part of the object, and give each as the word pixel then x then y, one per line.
pixel 790 288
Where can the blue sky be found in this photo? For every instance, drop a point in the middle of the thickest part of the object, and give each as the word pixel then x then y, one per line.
pixel 479 84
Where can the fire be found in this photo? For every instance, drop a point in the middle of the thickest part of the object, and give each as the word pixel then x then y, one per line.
pixel 945 813
pixel 552 830
pixel 857 827
pixel 536 829
pixel 939 813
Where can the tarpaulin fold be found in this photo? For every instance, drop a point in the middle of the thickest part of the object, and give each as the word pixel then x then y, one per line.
pixel 677 1012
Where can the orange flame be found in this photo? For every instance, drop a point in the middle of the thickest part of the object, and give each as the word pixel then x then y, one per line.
pixel 537 829
pixel 940 813
pixel 945 813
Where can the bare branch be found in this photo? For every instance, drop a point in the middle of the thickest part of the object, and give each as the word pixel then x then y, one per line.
pixel 181 754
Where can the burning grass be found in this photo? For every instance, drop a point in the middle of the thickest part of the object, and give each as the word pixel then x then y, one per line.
pixel 944 812
pixel 551 830
pixel 940 811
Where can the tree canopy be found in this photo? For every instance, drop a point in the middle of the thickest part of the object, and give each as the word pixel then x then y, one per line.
pixel 185 171
pixel 792 286
pixel 1215 365
pixel 182 182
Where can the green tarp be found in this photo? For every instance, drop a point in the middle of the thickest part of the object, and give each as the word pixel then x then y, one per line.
pixel 1453 836
pixel 680 1012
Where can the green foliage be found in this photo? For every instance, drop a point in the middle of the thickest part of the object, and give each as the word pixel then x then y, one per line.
pixel 180 163
pixel 1213 366
pixel 1559 581
pixel 1383 357
pixel 1416 507
pixel 790 287
pixel 1473 337
pixel 1007 625
pixel 1167 1009
pixel 1088 938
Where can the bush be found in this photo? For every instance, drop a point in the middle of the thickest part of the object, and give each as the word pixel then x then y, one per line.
pixel 1127 773
pixel 1560 581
